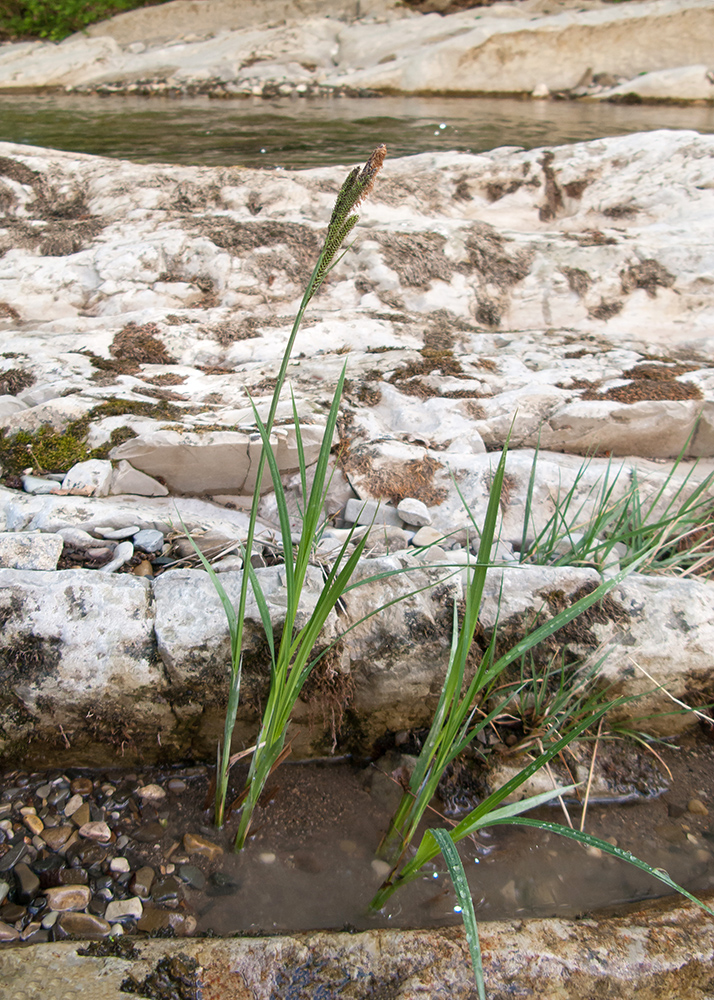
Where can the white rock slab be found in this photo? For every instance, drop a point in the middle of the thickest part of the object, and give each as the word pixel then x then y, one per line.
pixel 94 476
pixel 30 550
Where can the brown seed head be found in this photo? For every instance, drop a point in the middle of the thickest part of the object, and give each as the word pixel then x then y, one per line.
pixel 370 170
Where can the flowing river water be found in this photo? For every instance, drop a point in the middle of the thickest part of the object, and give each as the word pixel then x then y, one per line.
pixel 285 132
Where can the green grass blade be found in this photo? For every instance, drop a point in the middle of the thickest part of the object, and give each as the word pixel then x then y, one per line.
pixel 463 894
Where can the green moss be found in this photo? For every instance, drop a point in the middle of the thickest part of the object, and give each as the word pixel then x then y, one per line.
pixel 50 450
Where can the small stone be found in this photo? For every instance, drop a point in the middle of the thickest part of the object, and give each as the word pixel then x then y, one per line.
pixel 56 836
pixel 167 890
pixel 124 909
pixel 73 805
pixel 82 815
pixel 81 786
pixel 150 833
pixel 8 933
pixel 149 540
pixel 117 534
pixel 38 486
pixel 141 882
pixel 192 875
pixel 4 890
pixel 697 808
pixel 151 793
pixel 427 536
pixel 381 868
pixel 414 512
pixel 122 553
pixel 89 853
pixel 144 568
pixel 85 925
pixel 34 824
pixel 68 897
pixel 193 844
pixel 49 919
pixel 119 865
pixel 96 831
pixel 27 883
pixel 267 857
pixel 176 785
pixel 77 538
pixel 11 858
pixel 371 511
pixel 43 791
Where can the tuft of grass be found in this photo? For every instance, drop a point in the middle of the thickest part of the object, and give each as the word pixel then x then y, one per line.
pixel 291 661
pixel 673 528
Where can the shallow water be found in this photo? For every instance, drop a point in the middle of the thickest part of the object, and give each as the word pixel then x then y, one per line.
pixel 310 862
pixel 307 133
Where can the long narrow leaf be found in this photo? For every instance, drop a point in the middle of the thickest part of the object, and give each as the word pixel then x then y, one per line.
pixel 463 894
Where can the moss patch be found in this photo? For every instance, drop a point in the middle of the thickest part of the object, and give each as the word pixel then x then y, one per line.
pixel 140 345
pixel 58 451
pixel 408 479
pixel 648 274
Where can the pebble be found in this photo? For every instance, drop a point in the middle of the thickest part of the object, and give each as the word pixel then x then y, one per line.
pixel 193 844
pixel 176 785
pixel 414 512
pixel 381 868
pixel 142 881
pixel 81 786
pixel 85 925
pixel 27 884
pixel 49 919
pixel 96 831
pixel 122 553
pixel 34 824
pixel 77 538
pixel 117 534
pixel 149 540
pixel 15 854
pixel 82 815
pixel 151 793
pixel 68 897
pixel 56 836
pixel 124 909
pixel 43 791
pixel 192 875
pixel 697 807
pixel 36 485
pixel 144 568
pixel 73 805
pixel 4 890
pixel 119 865
pixel 8 933
pixel 267 857
pixel 427 536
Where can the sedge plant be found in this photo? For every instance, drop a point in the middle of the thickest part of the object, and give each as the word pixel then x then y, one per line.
pixel 458 720
pixel 290 658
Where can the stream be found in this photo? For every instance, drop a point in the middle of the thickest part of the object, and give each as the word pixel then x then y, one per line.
pixel 296 133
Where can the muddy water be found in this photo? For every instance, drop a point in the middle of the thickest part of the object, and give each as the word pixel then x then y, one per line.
pixel 307 133
pixel 310 862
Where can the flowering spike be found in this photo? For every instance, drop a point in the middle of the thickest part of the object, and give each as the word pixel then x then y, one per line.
pixel 355 189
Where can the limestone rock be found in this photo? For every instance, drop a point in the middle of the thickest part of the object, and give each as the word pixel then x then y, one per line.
pixel 127 479
pixel 413 512
pixel 93 476
pixel 30 550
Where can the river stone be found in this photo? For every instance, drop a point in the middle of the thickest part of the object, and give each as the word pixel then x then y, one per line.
pixel 84 925
pixel 56 836
pixel 98 831
pixel 38 486
pixel 68 897
pixel 8 933
pixel 30 550
pixel 82 815
pixel 34 824
pixel 193 844
pixel 122 554
pixel 413 512
pixel 141 882
pixel 151 793
pixel 371 512
pixel 10 859
pixel 149 540
pixel 124 909
pixel 27 884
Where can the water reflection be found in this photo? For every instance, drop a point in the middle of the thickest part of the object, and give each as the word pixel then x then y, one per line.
pixel 286 132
